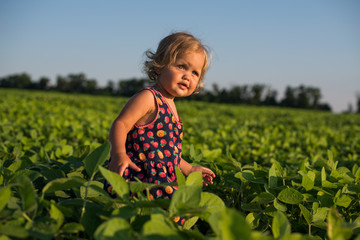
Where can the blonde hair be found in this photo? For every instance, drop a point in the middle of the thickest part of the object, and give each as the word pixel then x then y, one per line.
pixel 169 48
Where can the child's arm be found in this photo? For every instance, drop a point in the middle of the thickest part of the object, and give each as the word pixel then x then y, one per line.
pixel 139 109
pixel 207 174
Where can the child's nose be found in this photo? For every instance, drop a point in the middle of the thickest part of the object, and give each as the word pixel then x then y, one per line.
pixel 186 75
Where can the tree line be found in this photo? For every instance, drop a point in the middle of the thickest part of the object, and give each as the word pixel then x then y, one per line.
pixel 305 97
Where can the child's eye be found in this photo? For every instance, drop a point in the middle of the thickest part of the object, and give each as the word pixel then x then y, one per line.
pixel 181 67
pixel 195 73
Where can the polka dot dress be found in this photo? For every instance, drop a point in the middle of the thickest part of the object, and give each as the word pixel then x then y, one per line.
pixel 156 149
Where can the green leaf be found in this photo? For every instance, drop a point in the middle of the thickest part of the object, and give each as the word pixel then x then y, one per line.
pixel 136 187
pixel 96 158
pixel 263 198
pixel 331 163
pixel 343 201
pixel 290 196
pixel 330 155
pixel 115 228
pixel 245 175
pixel 194 178
pixel 180 176
pixel 279 206
pixel 15 166
pixel 272 177
pixel 212 203
pixel 125 212
pixel 336 229
pixel 43 228
pixel 304 163
pixel 326 200
pixel 278 167
pixel 185 197
pixel 5 194
pixel 117 182
pixel 94 189
pixel 346 175
pixel 67 150
pixel 192 151
pixel 90 219
pixel 13 230
pixel 27 193
pixel 251 207
pixel 319 215
pixel 306 213
pixel 61 184
pixel 229 224
pixel 189 223
pixel 323 175
pixel 252 220
pixel 248 175
pixel 57 215
pixel 3 237
pixel 280 225
pixel 357 174
pixel 72 227
pixel 160 228
pixel 308 180
pixel 327 184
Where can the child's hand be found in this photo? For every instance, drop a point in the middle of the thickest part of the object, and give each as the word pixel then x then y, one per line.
pixel 120 162
pixel 207 174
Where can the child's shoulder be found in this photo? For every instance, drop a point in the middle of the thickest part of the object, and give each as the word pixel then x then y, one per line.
pixel 144 94
pixel 143 99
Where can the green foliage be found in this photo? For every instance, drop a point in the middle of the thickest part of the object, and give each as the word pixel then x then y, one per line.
pixel 280 173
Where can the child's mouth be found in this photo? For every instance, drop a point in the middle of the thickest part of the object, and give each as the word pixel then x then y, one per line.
pixel 183 86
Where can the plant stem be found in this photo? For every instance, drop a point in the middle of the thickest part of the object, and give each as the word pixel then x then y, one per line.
pixel 85 197
pixel 26 217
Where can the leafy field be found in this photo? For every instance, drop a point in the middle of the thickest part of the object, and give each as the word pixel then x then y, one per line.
pixel 280 173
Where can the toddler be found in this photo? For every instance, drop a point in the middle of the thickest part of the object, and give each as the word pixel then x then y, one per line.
pixel 146 137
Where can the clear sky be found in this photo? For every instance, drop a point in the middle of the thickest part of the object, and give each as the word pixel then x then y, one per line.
pixel 279 43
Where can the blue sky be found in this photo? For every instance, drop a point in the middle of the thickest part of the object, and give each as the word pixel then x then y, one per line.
pixel 279 43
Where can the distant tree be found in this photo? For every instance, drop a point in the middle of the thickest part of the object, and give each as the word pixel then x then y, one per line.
pixel 324 107
pixel 77 82
pixel 215 89
pixel 302 99
pixel 234 95
pixel 315 96
pixel 131 86
pixel 22 80
pixel 62 84
pixel 289 99
pixel 358 102
pixel 224 96
pixel 90 86
pixel 110 87
pixel 215 93
pixel 245 94
pixel 43 83
pixel 270 97
pixel 256 93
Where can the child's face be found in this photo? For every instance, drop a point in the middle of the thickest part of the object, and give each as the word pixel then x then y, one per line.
pixel 181 78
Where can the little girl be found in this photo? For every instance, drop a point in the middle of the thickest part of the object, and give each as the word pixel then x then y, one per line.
pixel 146 137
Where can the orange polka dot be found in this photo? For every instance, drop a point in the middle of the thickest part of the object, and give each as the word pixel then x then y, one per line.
pixel 109 189
pixel 169 190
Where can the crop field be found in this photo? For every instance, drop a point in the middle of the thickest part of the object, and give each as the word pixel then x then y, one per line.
pixel 280 173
